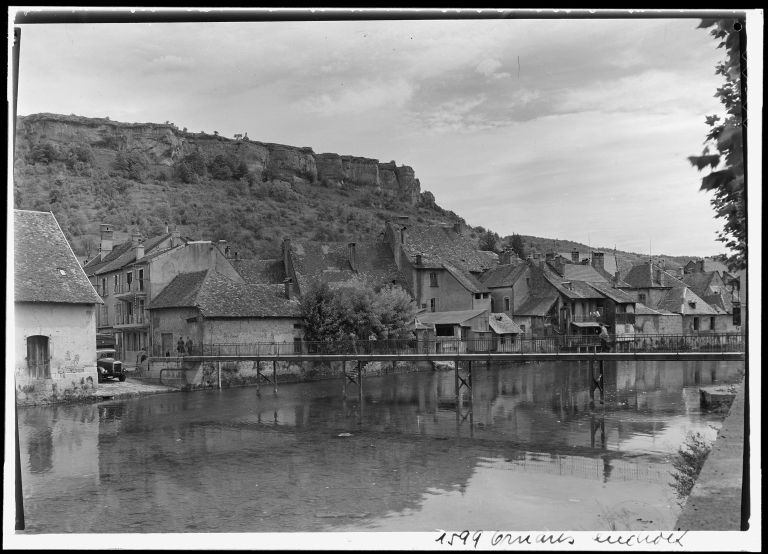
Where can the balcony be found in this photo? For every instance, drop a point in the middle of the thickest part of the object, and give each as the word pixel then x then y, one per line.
pixel 140 286
pixel 588 318
pixel 131 320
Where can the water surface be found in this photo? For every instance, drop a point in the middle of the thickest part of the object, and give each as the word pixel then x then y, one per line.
pixel 531 451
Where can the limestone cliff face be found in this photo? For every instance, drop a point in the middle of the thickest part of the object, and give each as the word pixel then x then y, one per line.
pixel 164 144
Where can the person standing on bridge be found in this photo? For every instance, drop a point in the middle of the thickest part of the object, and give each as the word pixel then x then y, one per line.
pixel 180 346
pixel 605 339
pixel 189 346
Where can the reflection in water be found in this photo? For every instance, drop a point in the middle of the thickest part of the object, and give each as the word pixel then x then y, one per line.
pixel 528 446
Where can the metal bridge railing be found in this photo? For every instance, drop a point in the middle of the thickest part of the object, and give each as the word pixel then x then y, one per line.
pixel 449 345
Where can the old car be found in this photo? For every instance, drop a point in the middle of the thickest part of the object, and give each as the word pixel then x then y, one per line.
pixel 108 367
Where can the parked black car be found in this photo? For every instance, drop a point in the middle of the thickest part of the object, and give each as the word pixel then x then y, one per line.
pixel 107 366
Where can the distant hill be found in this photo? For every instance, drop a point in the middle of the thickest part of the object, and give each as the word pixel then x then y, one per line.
pixel 144 176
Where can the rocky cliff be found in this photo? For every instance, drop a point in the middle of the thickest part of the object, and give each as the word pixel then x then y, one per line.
pixel 164 144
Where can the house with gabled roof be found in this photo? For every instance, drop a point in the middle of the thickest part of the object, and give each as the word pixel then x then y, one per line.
pixel 441 265
pixel 130 274
pixel 509 285
pixel 212 308
pixel 54 307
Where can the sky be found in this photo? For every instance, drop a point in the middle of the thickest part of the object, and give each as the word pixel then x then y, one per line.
pixel 575 129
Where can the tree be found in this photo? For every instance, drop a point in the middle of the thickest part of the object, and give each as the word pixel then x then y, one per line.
pixel 516 244
pixel 489 241
pixel 333 315
pixel 723 150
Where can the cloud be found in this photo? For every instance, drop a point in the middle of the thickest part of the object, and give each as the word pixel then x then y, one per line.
pixel 357 97
pixel 488 68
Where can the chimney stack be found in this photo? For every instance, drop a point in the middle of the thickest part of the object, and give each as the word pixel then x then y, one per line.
pixel 138 245
pixel 418 259
pixel 288 284
pixel 105 247
pixel 135 238
pixel 352 250
pixel 166 228
pixel 575 256
pixel 506 257
pixel 598 260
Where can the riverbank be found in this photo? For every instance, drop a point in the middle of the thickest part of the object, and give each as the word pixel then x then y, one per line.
pixel 715 500
pixel 108 390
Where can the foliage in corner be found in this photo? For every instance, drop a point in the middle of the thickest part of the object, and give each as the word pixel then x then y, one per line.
pixel 723 150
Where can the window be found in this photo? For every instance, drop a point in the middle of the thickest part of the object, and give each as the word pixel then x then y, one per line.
pixel 641 297
pixel 104 290
pixel 506 303
pixel 695 323
pixel 737 314
pixel 141 279
pixel 433 305
pixel 478 296
pixel 117 283
pixel 522 328
pixel 712 323
pixel 444 330
pixel 38 357
pixel 296 345
pixel 433 279
pixel 485 294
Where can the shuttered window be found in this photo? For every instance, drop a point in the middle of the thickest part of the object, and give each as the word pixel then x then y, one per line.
pixel 39 357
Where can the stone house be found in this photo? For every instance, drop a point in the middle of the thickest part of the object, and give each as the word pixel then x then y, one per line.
pixel 130 275
pixel 441 265
pixel 54 309
pixel 509 285
pixel 211 308
pixel 505 333
pixel 722 296
pixel 536 315
pixel 455 331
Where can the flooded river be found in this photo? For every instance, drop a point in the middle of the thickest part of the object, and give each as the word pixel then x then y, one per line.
pixel 530 452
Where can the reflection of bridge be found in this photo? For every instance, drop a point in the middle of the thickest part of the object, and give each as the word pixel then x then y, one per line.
pixel 591 468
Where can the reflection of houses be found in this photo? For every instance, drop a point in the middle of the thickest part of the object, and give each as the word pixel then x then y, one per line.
pixel 441 265
pixel 54 306
pixel 132 274
pixel 208 307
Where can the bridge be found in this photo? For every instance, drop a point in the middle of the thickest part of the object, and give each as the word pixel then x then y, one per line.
pixel 573 348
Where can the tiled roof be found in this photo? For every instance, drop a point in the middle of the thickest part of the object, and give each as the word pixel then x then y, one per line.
pixel 41 254
pixel 580 272
pixel 678 300
pixel 502 324
pixel 466 279
pixel 218 296
pixel 643 276
pixel 260 271
pixel 699 282
pixel 615 294
pixel 123 254
pixel 574 290
pixel 328 262
pixel 503 275
pixel 536 306
pixel 438 244
pixel 448 318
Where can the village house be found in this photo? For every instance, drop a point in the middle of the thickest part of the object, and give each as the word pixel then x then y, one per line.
pixel 538 315
pixel 212 308
pixel 509 285
pixel 307 263
pixel 723 296
pixel 455 331
pixel 441 265
pixel 131 274
pixel 54 308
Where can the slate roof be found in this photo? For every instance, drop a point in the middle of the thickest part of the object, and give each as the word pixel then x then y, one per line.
pixel 41 253
pixel 439 244
pixel 536 306
pixel 502 324
pixel 677 300
pixel 615 294
pixel 466 279
pixel 643 276
pixel 260 271
pixel 503 275
pixel 700 282
pixel 121 255
pixel 580 272
pixel 448 318
pixel 218 296
pixel 573 290
pixel 328 262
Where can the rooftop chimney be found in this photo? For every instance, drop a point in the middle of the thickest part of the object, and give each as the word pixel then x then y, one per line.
pixel 288 284
pixel 135 239
pixel 506 257
pixel 166 228
pixel 138 245
pixel 598 260
pixel 175 238
pixel 105 247
pixel 352 250
pixel 549 256
pixel 418 259
pixel 575 256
